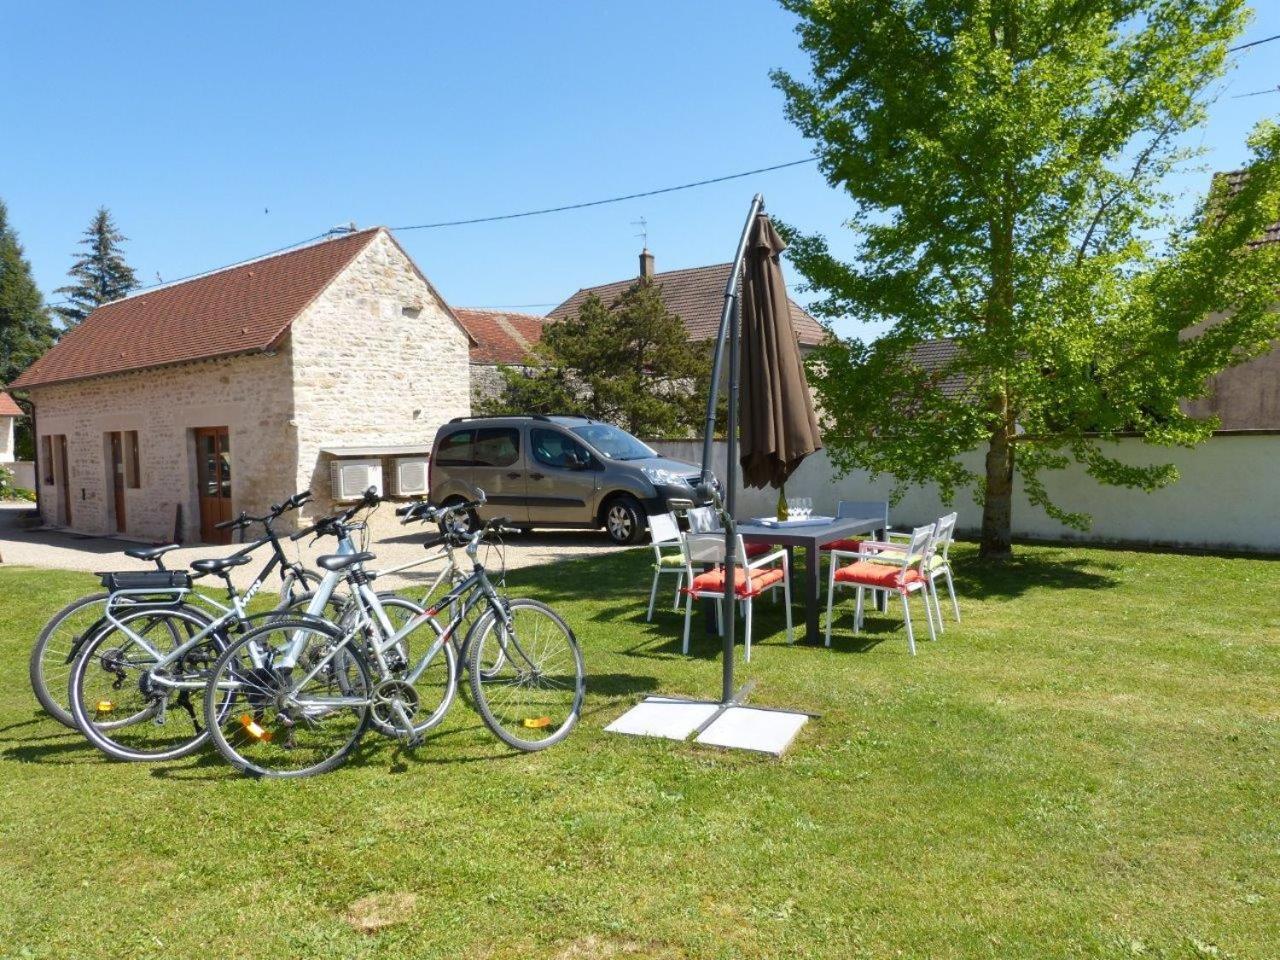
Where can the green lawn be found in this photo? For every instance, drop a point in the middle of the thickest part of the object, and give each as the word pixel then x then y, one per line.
pixel 1086 767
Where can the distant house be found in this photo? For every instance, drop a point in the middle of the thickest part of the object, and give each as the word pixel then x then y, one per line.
pixel 9 413
pixel 695 295
pixel 498 337
pixel 178 407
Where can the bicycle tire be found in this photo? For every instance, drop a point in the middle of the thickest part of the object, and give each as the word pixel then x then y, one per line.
pixel 107 737
pixel 483 689
pixel 46 647
pixel 215 711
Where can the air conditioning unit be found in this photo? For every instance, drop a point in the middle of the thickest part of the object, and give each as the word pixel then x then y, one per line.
pixel 411 476
pixel 351 478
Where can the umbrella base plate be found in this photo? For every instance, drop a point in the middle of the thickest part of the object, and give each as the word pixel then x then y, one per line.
pixel 728 725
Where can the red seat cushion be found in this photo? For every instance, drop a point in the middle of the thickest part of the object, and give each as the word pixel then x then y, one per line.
pixel 851 545
pixel 761 580
pixel 877 575
pixel 754 550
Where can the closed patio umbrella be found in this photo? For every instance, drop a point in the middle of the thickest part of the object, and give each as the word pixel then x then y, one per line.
pixel 778 428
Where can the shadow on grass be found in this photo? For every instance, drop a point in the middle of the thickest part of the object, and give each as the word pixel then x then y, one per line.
pixel 1005 580
pixel 68 748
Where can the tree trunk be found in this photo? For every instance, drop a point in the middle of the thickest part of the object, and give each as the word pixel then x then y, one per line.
pixel 997 504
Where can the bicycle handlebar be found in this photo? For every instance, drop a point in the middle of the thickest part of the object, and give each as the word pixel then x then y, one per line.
pixel 277 509
pixel 328 524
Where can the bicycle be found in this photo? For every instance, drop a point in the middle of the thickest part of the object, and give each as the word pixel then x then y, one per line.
pixel 268 721
pixel 49 666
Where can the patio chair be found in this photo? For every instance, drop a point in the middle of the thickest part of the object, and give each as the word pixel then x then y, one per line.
pixel 753 578
pixel 856 508
pixel 904 578
pixel 939 564
pixel 707 520
pixel 664 535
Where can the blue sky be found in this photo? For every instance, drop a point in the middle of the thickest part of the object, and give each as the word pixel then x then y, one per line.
pixel 220 131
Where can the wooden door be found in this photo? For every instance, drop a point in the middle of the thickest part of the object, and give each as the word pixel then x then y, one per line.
pixel 63 478
pixel 213 476
pixel 117 477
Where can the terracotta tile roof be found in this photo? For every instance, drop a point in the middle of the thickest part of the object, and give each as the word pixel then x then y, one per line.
pixel 696 296
pixel 8 408
pixel 1235 180
pixel 499 336
pixel 242 309
pixel 932 356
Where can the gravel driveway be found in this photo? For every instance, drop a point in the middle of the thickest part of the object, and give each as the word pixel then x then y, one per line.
pixel 53 549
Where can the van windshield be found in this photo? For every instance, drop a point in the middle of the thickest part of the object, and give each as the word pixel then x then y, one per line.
pixel 613 443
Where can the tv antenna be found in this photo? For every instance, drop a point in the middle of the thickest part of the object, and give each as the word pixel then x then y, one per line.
pixel 643 224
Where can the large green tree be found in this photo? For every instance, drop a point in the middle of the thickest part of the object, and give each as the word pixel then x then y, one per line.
pixel 629 362
pixel 25 330
pixel 100 274
pixel 1007 162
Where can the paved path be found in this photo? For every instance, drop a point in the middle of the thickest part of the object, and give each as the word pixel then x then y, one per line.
pixel 52 549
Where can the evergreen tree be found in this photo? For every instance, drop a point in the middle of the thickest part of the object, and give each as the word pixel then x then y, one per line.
pixel 99 275
pixel 629 363
pixel 25 330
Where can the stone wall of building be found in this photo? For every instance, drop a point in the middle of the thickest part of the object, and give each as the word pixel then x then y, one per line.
pixel 250 395
pixel 378 360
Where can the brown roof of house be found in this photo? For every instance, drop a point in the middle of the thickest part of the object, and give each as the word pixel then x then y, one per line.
pixel 241 309
pixel 8 408
pixel 696 295
pixel 1235 180
pixel 500 336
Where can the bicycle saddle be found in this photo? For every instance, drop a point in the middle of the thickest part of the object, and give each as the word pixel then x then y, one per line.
pixel 149 553
pixel 219 564
pixel 340 561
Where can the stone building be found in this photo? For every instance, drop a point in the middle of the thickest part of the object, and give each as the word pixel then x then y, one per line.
pixel 499 337
pixel 175 408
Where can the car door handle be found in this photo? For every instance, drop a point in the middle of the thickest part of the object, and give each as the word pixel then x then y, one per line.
pixel 537 476
pixel 514 476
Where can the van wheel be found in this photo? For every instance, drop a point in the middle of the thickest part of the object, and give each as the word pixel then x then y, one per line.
pixel 624 520
pixel 472 521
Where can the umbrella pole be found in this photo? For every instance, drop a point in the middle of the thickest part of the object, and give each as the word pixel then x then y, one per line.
pixel 730 503
pixel 730 333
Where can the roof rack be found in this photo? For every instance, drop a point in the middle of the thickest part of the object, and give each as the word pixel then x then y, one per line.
pixel 543 417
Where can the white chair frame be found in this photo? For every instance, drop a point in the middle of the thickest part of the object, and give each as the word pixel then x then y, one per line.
pixel 939 563
pixel 664 532
pixel 702 548
pixel 919 548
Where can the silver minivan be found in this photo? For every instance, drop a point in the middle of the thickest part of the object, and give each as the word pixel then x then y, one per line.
pixel 557 471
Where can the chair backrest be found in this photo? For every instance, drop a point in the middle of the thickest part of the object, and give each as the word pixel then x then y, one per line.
pixel 708 547
pixel 663 528
pixel 703 520
pixel 944 534
pixel 921 546
pixel 863 508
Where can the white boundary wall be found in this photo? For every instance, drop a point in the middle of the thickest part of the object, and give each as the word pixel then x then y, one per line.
pixel 1228 496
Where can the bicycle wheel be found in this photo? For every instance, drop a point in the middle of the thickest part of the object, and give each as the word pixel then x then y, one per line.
pixel 130 707
pixel 54 650
pixel 277 721
pixel 426 667
pixel 527 679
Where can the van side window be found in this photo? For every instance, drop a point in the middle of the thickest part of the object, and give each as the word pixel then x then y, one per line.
pixel 455 449
pixel 554 449
pixel 496 447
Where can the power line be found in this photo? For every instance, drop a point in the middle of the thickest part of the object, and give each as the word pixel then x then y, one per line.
pixel 598 203
pixel 165 283
pixel 1255 93
pixel 1253 43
